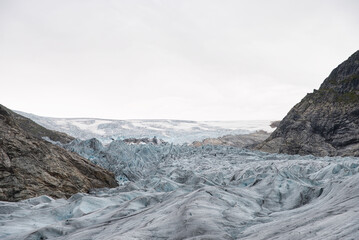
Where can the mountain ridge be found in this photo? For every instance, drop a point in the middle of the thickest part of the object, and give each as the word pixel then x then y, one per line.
pixel 325 122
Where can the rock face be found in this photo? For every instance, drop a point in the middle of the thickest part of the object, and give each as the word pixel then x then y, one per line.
pixel 242 141
pixel 325 122
pixel 40 132
pixel 274 124
pixel 32 167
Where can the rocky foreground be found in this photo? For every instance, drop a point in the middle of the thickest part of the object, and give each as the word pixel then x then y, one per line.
pixel 30 166
pixel 325 122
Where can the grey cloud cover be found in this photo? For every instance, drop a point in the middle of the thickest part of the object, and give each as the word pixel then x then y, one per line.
pixel 200 60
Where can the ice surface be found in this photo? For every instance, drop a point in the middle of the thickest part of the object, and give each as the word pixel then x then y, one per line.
pixel 174 131
pixel 91 125
pixel 211 192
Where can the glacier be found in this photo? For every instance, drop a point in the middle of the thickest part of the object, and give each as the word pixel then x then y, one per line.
pixel 171 191
pixel 175 131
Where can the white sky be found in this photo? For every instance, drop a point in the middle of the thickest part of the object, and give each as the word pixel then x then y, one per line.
pixel 183 59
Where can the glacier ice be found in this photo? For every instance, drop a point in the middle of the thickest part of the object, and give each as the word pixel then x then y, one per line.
pixel 176 131
pixel 212 192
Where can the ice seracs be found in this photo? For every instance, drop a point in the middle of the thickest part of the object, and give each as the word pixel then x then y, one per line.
pixel 208 192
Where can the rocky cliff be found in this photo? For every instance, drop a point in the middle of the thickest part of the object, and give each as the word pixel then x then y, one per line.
pixel 40 132
pixel 31 167
pixel 325 122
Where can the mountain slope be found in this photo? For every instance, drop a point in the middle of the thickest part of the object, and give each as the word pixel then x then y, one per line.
pixel 31 167
pixel 325 122
pixel 40 132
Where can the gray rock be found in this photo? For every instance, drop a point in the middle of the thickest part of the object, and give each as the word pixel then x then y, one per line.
pixel 40 132
pixel 274 124
pixel 325 122
pixel 31 167
pixel 242 141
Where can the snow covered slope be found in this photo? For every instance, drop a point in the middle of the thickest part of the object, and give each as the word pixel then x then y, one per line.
pixel 210 192
pixel 176 131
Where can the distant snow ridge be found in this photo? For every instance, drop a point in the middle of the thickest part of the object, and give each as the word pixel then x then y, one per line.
pixel 210 192
pixel 175 131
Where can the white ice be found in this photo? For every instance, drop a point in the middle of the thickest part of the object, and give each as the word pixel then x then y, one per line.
pixel 174 131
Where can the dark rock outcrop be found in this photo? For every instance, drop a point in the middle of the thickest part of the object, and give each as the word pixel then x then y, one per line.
pixel 31 167
pixel 325 122
pixel 153 140
pixel 274 124
pixel 40 132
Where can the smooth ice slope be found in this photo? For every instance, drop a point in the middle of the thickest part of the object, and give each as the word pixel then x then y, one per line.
pixel 180 192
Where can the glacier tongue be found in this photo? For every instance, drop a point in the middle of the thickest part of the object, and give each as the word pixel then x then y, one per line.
pixel 210 192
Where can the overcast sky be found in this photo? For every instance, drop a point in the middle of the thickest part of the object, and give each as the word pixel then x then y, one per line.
pixel 179 59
